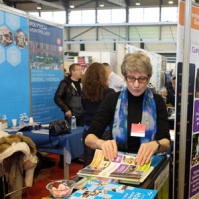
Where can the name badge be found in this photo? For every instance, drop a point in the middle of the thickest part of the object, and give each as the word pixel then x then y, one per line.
pixel 138 130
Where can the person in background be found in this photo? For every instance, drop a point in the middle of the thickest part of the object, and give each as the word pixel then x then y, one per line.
pixel 114 80
pixel 95 88
pixel 68 97
pixel 66 74
pixel 132 106
pixel 170 98
pixel 173 82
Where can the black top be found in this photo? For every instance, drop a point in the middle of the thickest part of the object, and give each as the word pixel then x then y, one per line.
pixel 105 116
pixel 171 98
pixel 77 86
pixel 92 107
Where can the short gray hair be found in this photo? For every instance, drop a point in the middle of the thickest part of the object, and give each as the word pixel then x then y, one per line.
pixel 136 62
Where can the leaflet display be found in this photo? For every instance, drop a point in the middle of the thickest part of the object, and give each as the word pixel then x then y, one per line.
pixel 113 190
pixel 123 168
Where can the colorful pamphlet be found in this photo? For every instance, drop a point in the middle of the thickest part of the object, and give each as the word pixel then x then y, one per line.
pixel 113 191
pixel 93 180
pixel 122 168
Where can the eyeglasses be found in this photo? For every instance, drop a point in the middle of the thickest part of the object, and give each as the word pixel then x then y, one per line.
pixel 131 78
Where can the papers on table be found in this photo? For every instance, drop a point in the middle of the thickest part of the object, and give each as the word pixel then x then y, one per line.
pixel 41 131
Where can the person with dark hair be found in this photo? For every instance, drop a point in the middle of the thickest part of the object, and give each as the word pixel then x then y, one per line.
pixel 68 97
pixel 129 108
pixel 95 88
pixel 170 98
pixel 115 81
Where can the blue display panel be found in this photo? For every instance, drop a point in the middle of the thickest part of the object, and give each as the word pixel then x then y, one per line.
pixel 46 63
pixel 14 69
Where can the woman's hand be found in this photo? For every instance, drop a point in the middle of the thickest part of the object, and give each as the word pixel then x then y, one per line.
pixel 145 152
pixel 109 148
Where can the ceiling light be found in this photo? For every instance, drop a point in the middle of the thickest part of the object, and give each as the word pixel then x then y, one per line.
pixel 39 7
pixel 101 4
pixel 72 5
pixel 137 3
pixel 170 2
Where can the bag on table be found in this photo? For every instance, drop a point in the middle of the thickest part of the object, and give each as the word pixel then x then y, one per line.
pixel 58 128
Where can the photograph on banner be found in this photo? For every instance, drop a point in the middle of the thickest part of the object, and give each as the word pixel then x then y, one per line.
pixel 46 46
pixel 20 39
pixel 6 37
pixel 47 69
pixel 195 150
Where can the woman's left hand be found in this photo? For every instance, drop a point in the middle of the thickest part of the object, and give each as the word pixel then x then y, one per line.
pixel 145 152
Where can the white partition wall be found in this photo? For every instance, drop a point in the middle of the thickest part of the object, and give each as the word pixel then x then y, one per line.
pixel 156 62
pixel 101 56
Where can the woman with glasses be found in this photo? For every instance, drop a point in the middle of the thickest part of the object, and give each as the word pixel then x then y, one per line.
pixel 138 118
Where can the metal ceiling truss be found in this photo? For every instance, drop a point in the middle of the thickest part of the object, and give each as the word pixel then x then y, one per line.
pixel 121 3
pixel 117 41
pixel 123 24
pixel 49 4
pixel 113 33
pixel 83 4
pixel 82 33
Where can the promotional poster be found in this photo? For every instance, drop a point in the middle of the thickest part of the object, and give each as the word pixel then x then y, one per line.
pixel 14 71
pixel 191 188
pixel 46 64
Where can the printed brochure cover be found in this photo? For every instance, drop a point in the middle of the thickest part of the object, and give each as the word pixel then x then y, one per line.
pixel 93 180
pixel 122 168
pixel 113 190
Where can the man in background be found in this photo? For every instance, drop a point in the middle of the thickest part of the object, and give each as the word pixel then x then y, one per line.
pixel 68 97
pixel 115 81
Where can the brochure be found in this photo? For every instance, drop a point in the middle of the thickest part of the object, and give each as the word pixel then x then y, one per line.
pixel 113 190
pixel 93 180
pixel 122 168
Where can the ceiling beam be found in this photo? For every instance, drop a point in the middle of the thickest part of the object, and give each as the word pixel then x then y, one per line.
pixel 49 4
pixel 119 2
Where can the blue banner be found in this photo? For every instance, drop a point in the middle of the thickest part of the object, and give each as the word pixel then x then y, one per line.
pixel 14 69
pixel 46 63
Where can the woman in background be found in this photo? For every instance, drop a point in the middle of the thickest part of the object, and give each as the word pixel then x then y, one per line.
pixel 95 88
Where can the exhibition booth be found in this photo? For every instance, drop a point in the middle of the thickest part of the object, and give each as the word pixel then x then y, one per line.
pixel 32 65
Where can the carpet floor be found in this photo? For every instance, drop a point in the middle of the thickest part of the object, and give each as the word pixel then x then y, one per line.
pixel 38 190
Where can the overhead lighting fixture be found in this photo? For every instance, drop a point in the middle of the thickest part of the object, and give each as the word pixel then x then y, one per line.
pixel 137 3
pixel 72 5
pixel 39 7
pixel 101 4
pixel 170 2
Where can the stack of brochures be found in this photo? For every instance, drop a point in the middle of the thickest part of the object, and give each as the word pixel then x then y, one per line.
pixel 100 189
pixel 123 168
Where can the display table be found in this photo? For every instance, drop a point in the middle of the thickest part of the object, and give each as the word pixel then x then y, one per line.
pixel 71 145
pixel 157 180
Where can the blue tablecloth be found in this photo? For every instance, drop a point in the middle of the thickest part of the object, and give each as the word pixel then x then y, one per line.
pixel 72 142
